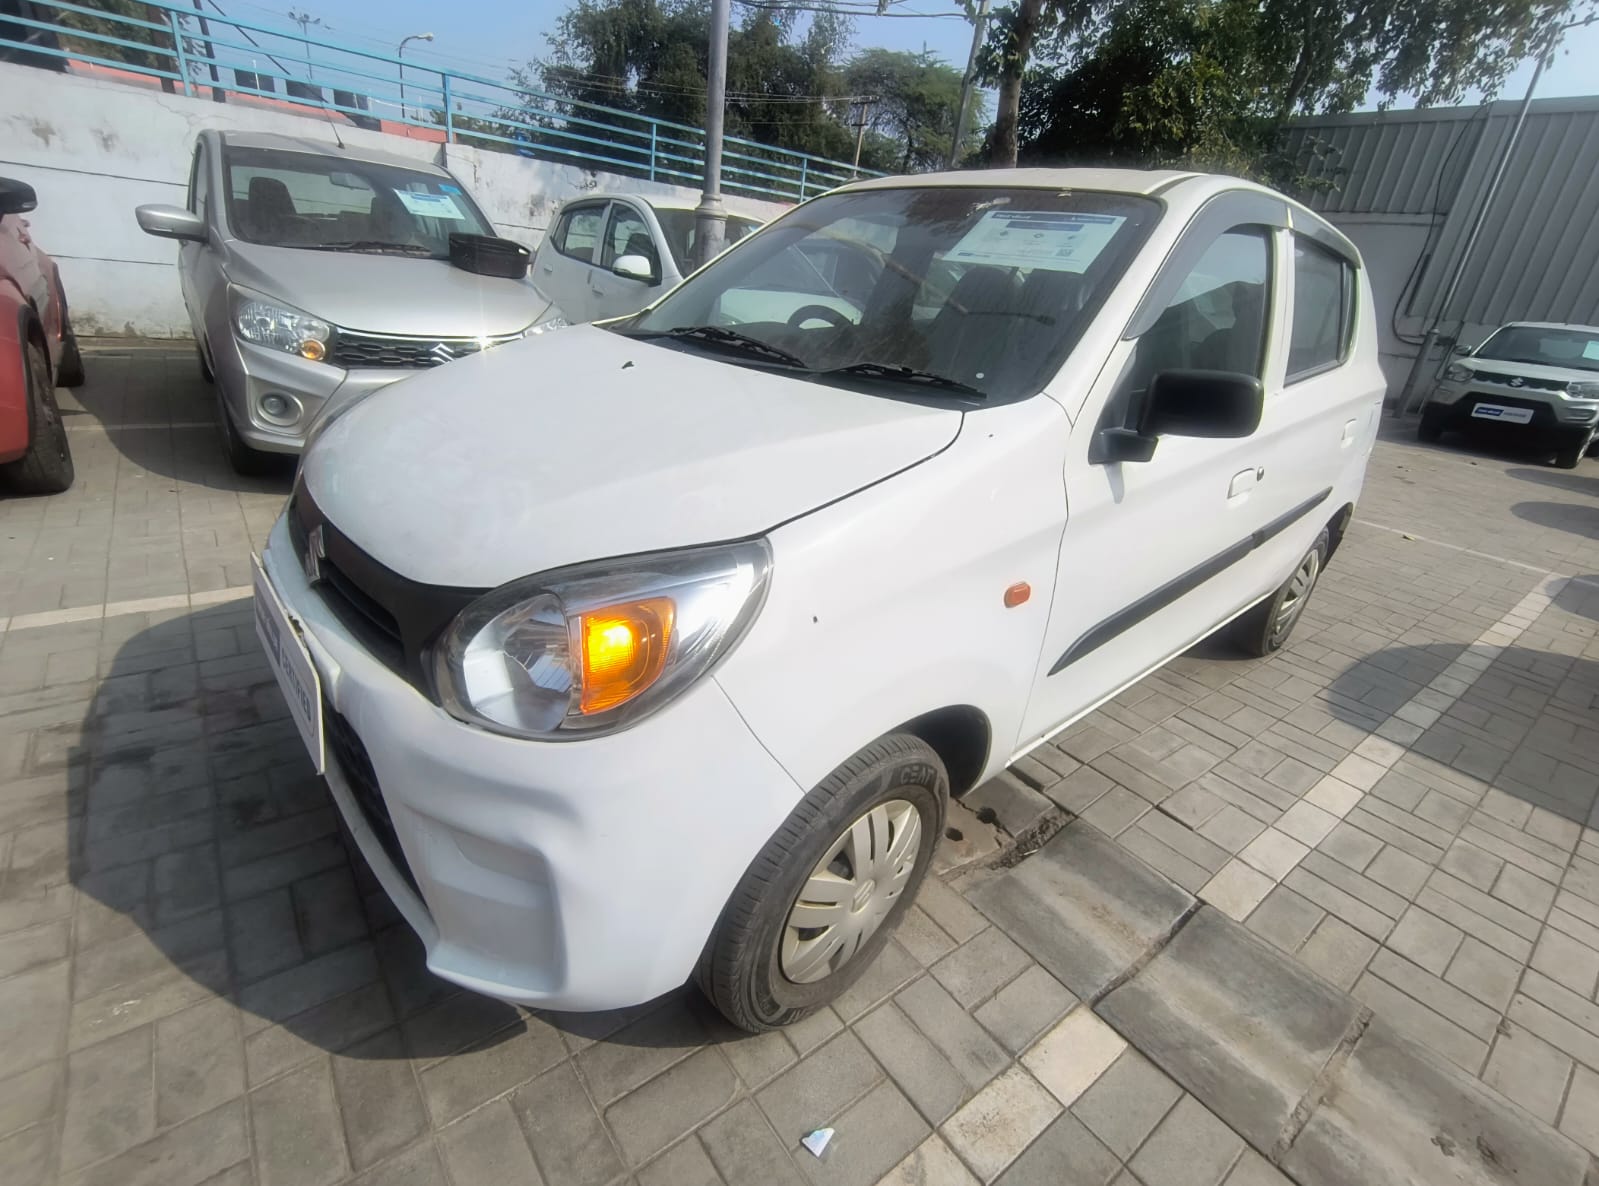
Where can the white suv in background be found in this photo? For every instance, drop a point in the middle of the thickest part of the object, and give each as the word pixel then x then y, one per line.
pixel 1533 380
pixel 607 255
pixel 654 651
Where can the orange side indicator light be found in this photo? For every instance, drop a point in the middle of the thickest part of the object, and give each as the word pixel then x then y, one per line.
pixel 1017 594
pixel 624 650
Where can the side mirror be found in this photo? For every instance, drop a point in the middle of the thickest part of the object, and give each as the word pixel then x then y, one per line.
pixel 1459 350
pixel 171 222
pixel 16 197
pixel 1187 404
pixel 634 267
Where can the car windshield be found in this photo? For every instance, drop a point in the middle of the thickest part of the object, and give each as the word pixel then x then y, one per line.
pixel 328 203
pixel 974 287
pixel 1574 349
pixel 679 228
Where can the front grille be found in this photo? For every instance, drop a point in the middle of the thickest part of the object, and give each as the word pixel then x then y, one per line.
pixel 1526 382
pixel 351 350
pixel 395 618
pixel 356 766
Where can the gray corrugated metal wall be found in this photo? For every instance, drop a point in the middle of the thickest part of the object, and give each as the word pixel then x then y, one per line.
pixel 1538 255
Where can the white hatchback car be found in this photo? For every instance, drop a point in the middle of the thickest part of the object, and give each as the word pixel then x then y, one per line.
pixel 654 651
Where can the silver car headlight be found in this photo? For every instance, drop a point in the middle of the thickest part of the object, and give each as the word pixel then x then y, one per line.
pixel 1583 390
pixel 1459 374
pixel 279 327
pixel 595 648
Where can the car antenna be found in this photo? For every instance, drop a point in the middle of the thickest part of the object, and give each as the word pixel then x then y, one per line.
pixel 339 140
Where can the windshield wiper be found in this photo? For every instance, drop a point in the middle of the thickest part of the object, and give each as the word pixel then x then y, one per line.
pixel 372 245
pixel 904 374
pixel 717 335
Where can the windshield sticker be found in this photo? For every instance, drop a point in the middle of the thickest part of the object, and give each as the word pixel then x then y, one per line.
pixel 1056 240
pixel 1590 350
pixel 449 189
pixel 430 205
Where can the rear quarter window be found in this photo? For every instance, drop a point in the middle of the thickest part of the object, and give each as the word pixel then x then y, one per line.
pixel 1324 311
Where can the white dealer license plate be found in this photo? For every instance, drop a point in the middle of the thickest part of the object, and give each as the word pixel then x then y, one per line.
pixel 1502 413
pixel 290 662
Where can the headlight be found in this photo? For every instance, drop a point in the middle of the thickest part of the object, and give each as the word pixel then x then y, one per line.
pixel 1583 390
pixel 1459 374
pixel 597 647
pixel 267 323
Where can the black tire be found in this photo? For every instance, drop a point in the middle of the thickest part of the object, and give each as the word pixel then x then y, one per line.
pixel 741 970
pixel 69 371
pixel 1263 630
pixel 250 462
pixel 206 373
pixel 1572 451
pixel 1431 428
pixel 46 468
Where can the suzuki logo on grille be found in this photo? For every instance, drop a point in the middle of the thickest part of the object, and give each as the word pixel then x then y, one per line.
pixel 442 353
pixel 315 552
pixel 1518 381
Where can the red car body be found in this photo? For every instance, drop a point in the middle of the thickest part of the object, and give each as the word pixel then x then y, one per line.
pixel 32 308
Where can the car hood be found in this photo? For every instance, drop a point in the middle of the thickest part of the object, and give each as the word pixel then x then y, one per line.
pixel 387 294
pixel 1504 369
pixel 581 445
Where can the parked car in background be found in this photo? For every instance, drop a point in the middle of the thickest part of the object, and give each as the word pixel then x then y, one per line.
pixel 310 269
pixel 606 255
pixel 38 353
pixel 654 650
pixel 1531 380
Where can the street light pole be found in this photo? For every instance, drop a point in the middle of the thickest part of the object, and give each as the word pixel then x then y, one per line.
pixel 710 219
pixel 1430 338
pixel 400 53
pixel 979 29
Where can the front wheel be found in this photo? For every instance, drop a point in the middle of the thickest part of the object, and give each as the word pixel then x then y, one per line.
pixel 46 468
pixel 1263 629
pixel 1572 451
pixel 1431 428
pixel 244 460
pixel 821 899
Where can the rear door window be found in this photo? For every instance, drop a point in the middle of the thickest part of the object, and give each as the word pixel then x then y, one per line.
pixel 1324 310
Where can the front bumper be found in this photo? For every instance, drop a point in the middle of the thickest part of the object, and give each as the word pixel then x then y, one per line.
pixel 246 374
pixel 1551 411
pixel 568 875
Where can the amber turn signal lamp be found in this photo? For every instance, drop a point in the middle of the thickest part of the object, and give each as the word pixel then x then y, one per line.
pixel 313 349
pixel 624 650
pixel 1017 593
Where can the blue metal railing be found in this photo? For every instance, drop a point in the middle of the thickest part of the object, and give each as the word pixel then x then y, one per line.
pixel 208 53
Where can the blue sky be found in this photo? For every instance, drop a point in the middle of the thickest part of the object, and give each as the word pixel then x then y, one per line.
pixel 488 36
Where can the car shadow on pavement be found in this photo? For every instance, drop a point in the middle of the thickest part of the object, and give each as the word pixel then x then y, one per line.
pixel 162 417
pixel 1562 516
pixel 1580 596
pixel 213 864
pixel 1577 483
pixel 1499 728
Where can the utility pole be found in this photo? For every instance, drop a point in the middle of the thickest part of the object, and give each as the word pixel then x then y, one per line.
pixel 1430 338
pixel 710 218
pixel 400 54
pixel 979 31
pixel 218 95
pixel 305 20
pixel 864 107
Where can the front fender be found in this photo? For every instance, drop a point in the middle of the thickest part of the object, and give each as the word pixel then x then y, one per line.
pixel 15 415
pixel 890 604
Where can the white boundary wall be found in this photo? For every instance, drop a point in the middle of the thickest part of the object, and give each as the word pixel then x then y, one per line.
pixel 94 150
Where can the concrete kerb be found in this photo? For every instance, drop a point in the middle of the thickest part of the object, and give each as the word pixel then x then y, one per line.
pixel 1299 1069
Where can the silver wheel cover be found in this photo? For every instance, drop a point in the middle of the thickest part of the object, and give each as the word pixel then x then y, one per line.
pixel 850 891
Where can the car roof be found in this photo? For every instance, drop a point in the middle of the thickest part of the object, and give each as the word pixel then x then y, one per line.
pixel 328 148
pixel 1129 181
pixel 658 201
pixel 1591 329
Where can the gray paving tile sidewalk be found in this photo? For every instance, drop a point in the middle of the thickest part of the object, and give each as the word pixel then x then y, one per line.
pixel 197 984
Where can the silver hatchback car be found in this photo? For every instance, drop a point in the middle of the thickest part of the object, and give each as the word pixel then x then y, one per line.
pixel 312 270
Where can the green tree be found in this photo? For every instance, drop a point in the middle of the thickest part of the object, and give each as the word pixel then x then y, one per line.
pixel 162 57
pixel 915 98
pixel 1215 81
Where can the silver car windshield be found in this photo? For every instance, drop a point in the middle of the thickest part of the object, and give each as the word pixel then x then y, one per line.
pixel 970 291
pixel 1575 349
pixel 325 203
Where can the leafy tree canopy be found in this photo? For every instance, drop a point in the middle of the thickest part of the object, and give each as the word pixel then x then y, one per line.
pixel 789 82
pixel 1212 83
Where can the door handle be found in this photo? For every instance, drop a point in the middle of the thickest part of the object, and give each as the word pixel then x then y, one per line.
pixel 1350 428
pixel 1244 481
